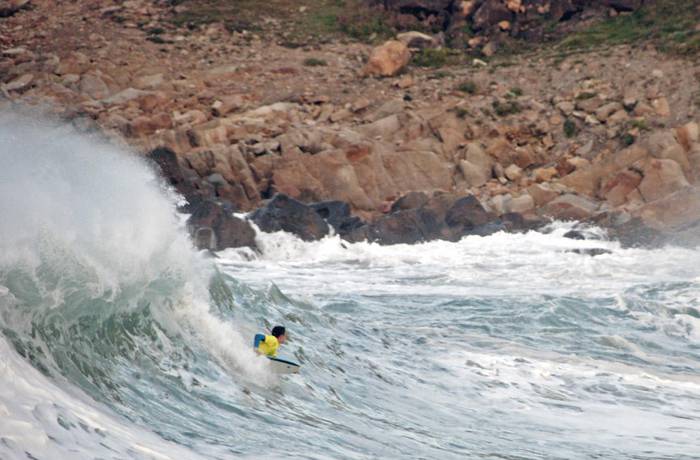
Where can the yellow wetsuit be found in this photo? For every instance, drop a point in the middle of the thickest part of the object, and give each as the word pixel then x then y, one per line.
pixel 269 346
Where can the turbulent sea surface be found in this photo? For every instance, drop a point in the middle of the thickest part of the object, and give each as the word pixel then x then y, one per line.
pixel 119 341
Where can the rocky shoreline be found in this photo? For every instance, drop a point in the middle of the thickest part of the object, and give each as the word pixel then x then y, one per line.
pixel 380 147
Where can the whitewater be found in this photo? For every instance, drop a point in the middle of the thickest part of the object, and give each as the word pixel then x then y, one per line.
pixel 118 340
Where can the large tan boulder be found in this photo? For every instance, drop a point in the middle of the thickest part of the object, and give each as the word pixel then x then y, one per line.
pixel 477 166
pixel 388 59
pixel 363 175
pixel 661 178
pixel 617 189
pixel 674 211
pixel 542 193
pixel 688 134
pixel 584 181
pixel 94 86
pixel 694 161
pixel 570 207
pixel 521 204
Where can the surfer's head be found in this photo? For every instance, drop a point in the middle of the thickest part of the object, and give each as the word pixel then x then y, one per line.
pixel 281 333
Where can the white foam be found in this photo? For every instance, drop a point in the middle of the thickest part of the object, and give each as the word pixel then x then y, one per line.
pixel 516 263
pixel 40 418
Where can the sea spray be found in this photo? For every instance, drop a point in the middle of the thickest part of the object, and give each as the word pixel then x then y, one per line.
pixel 100 283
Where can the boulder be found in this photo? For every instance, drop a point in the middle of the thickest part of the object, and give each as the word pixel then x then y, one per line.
pixel 183 179
pixel 337 214
pixel 616 190
pixel 466 214
pixel 148 82
pixel 661 107
pixel 604 112
pixel 623 5
pixel 415 39
pixel 584 181
pixel 520 204
pixel 545 174
pixel 410 200
pixel 513 173
pixel 404 227
pixel 541 194
pixel 388 59
pixel 477 166
pixel 94 86
pixel 228 104
pixel 147 124
pixel 124 96
pixel 20 83
pixel 673 212
pixel 410 226
pixel 570 207
pixel 10 7
pixel 688 134
pixel 473 175
pixel 284 213
pixel 661 178
pixel 490 13
pixel 213 226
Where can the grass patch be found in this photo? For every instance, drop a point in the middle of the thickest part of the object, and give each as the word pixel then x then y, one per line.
pixel 435 58
pixel 639 124
pixel 468 87
pixel 503 109
pixel 669 24
pixel 461 112
pixel 585 95
pixel 439 75
pixel 314 62
pixel 294 23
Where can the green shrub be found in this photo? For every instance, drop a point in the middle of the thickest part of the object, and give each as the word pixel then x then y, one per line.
pixel 314 62
pixel 429 57
pixel 468 87
pixel 627 139
pixel 503 109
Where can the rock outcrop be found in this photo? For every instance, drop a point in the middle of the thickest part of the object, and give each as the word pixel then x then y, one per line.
pixel 283 213
pixel 237 121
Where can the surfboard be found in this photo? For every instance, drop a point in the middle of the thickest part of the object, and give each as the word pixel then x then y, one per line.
pixel 282 366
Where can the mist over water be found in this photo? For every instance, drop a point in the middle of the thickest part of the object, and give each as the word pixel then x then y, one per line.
pixel 118 340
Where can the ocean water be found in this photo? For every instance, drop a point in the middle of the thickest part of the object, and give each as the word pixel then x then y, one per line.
pixel 119 341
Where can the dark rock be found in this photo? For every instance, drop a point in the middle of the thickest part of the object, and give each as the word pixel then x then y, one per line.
pixel 466 214
pixel 11 7
pixel 635 233
pixel 563 9
pixel 411 200
pixel 574 235
pixel 337 215
pixel 184 180
pixel 591 252
pixel 403 227
pixel 213 226
pixel 624 5
pixel 491 13
pixel 289 215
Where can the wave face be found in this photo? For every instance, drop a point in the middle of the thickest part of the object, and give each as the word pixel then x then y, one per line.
pixel 121 341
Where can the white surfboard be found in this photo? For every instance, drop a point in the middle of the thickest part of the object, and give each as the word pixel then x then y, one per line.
pixel 282 366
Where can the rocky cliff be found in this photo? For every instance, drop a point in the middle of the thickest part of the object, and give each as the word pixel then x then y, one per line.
pixel 402 152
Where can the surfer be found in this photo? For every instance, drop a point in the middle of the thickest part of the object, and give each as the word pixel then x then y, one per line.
pixel 268 344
